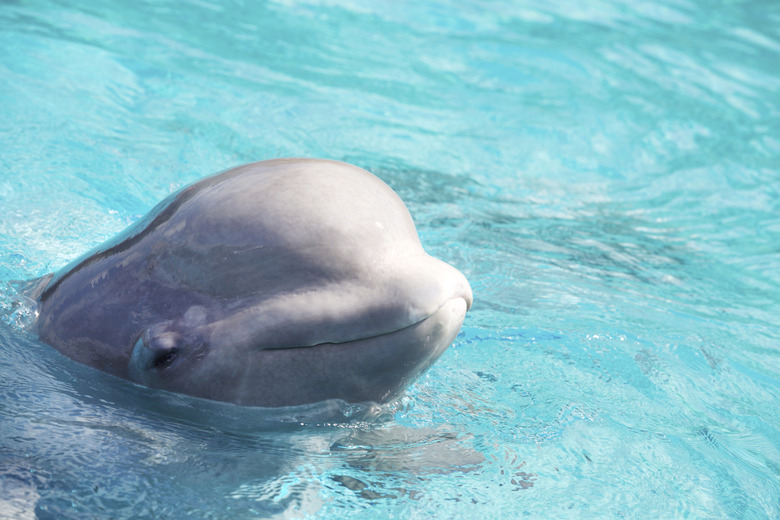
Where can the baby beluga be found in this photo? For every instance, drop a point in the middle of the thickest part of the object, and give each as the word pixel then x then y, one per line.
pixel 277 283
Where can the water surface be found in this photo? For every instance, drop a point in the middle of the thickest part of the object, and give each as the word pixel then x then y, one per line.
pixel 606 175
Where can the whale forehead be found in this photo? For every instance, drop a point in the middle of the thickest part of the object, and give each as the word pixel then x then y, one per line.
pixel 299 203
pixel 277 226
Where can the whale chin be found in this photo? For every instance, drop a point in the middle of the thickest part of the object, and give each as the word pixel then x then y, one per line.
pixel 375 369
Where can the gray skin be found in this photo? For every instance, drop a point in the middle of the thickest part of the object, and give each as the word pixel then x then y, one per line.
pixel 276 283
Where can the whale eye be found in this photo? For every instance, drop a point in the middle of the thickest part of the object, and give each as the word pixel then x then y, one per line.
pixel 155 350
pixel 163 348
pixel 161 353
pixel 163 359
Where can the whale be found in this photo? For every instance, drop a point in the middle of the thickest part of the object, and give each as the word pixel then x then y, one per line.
pixel 277 283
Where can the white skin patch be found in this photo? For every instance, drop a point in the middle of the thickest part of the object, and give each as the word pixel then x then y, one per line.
pixel 195 316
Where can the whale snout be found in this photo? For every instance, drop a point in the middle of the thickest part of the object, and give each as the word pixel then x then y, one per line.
pixel 432 284
pixel 468 296
pixel 455 283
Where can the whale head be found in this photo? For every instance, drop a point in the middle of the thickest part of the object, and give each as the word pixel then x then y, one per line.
pixel 276 283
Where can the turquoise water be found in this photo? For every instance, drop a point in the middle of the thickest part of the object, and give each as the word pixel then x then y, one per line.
pixel 606 174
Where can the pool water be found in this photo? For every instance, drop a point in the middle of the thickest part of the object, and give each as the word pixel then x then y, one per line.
pixel 605 173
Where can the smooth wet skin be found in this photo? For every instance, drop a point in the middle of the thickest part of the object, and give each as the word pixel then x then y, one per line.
pixel 277 283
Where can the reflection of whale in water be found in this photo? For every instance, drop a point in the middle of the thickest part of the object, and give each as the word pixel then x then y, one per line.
pixel 377 456
pixel 260 475
pixel 277 283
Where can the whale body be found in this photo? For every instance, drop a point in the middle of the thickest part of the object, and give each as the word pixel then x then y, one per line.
pixel 277 283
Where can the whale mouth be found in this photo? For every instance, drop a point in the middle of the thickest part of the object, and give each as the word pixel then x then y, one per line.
pixel 375 369
pixel 340 310
pixel 456 302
